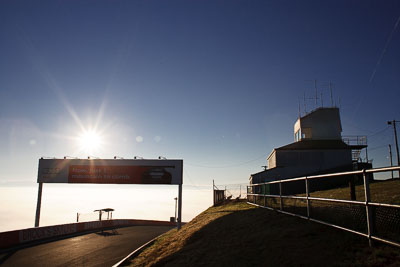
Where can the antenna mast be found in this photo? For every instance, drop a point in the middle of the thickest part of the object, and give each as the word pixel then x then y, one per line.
pixel 316 93
pixel 299 109
pixel 322 101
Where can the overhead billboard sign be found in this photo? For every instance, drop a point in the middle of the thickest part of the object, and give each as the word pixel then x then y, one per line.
pixel 110 171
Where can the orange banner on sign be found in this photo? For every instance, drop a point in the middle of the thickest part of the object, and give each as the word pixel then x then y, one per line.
pixel 118 174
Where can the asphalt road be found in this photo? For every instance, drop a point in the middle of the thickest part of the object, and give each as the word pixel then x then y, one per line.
pixel 96 249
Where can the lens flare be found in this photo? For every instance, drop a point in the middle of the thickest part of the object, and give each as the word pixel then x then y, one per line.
pixel 89 141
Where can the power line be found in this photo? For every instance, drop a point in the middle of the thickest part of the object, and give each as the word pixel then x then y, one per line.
pixel 374 148
pixel 196 186
pixel 384 50
pixel 238 184
pixel 378 132
pixel 225 166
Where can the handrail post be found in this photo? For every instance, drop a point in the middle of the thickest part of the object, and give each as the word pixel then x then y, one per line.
pixel 213 192
pixel 368 207
pixel 254 192
pixel 280 195
pixel 179 206
pixel 265 198
pixel 258 192
pixel 308 200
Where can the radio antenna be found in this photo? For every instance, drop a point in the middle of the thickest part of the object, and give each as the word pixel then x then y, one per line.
pixel 316 93
pixel 299 109
pixel 322 101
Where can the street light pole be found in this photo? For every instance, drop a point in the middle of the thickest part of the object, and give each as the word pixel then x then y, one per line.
pixel 393 123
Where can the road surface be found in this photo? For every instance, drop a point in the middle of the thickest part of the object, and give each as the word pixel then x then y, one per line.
pixel 96 249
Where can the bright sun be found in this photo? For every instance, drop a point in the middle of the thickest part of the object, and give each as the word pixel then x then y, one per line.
pixel 89 141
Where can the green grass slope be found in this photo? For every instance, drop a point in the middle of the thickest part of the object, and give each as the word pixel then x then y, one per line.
pixel 238 234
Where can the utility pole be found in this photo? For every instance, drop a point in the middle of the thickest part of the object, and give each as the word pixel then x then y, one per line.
pixel 393 123
pixel 390 157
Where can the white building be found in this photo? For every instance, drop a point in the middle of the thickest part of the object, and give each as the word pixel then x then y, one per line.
pixel 318 148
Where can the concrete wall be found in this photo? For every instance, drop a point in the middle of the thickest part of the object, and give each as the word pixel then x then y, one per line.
pixel 296 163
pixel 317 159
pixel 272 160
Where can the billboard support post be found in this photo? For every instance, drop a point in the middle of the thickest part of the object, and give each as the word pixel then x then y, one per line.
pixel 179 206
pixel 39 203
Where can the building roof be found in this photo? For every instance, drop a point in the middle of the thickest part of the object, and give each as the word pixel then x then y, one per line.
pixel 343 168
pixel 315 145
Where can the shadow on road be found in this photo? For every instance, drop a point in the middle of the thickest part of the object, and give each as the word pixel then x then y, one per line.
pixel 108 233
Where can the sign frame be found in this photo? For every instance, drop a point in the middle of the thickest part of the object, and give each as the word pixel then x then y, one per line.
pixel 110 171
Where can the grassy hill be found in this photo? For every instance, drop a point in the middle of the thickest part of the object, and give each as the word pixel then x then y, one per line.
pixel 387 191
pixel 238 234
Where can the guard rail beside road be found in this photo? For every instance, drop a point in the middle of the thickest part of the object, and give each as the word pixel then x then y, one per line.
pixel 27 236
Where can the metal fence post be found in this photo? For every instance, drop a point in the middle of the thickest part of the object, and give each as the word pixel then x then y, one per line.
pixel 225 193
pixel 251 192
pixel 265 198
pixel 213 192
pixel 308 200
pixel 256 192
pixel 368 207
pixel 280 196
pixel 179 206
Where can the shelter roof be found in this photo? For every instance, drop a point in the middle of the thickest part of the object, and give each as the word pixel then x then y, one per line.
pixel 105 210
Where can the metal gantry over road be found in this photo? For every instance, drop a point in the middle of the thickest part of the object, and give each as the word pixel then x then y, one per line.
pixel 111 171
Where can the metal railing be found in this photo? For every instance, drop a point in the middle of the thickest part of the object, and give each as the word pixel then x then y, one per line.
pixel 355 139
pixel 367 219
pixel 224 192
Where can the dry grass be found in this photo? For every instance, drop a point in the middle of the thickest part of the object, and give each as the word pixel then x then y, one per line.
pixel 381 191
pixel 238 234
pixel 387 191
pixel 174 241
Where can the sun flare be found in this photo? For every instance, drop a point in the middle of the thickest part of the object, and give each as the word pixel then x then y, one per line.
pixel 89 141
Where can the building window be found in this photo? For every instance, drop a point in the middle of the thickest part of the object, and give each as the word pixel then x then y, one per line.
pixel 297 135
pixel 306 133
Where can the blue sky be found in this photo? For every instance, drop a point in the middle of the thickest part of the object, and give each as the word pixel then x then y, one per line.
pixel 216 83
